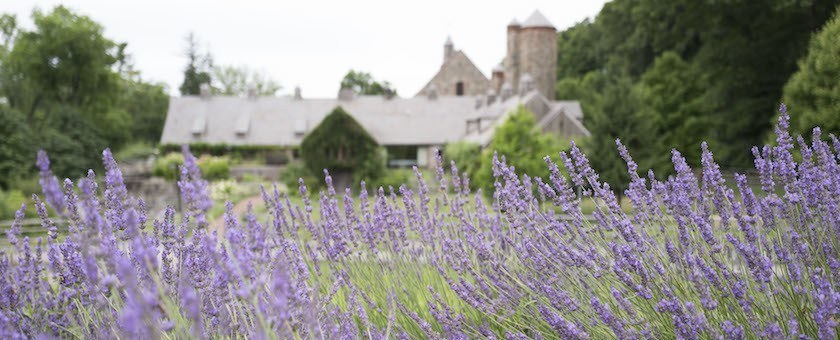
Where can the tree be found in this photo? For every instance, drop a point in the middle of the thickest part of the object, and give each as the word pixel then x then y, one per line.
pixel 146 105
pixel 237 81
pixel 364 84
pixel 66 61
pixel 743 51
pixel 671 98
pixel 611 114
pixel 16 149
pixel 199 66
pixel 522 144
pixel 341 145
pixel 813 92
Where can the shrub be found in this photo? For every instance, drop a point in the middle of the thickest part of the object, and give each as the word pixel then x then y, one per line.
pixel 10 202
pixel 136 151
pixel 167 166
pixel 212 168
pixel 340 144
pixel 394 178
pixel 521 143
pixel 295 171
pixel 466 155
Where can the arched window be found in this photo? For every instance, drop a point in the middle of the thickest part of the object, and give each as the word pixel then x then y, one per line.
pixel 459 88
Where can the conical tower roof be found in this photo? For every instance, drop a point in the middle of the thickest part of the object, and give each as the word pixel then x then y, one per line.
pixel 537 19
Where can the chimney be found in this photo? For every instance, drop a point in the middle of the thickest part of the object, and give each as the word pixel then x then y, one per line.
pixel 491 97
pixel 431 92
pixel 506 92
pixel 297 93
pixel 346 93
pixel 204 91
pixel 479 101
pixel 448 49
pixel 252 92
pixel 526 84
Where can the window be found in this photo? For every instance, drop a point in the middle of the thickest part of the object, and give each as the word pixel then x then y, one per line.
pixel 459 88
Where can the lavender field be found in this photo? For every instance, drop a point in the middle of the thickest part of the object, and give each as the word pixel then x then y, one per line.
pixel 692 259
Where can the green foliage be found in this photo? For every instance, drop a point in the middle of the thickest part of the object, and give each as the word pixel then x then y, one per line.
pixel 237 80
pixel 212 168
pixel 17 154
pixel 145 107
pixel 735 56
pixel 293 172
pixel 393 178
pixel 518 140
pixel 10 202
pixel 167 166
pixel 813 92
pixel 73 143
pixel 199 66
pixel 364 84
pixel 672 110
pixel 135 151
pixel 66 60
pixel 341 145
pixel 466 155
pixel 611 113
pixel 69 90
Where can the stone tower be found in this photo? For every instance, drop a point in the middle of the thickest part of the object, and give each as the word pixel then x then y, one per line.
pixel 532 51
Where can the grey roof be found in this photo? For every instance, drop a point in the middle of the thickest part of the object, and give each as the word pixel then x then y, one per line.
pixel 537 19
pixel 285 121
pixel 398 121
pixel 496 113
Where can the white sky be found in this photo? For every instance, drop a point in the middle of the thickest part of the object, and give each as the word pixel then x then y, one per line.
pixel 313 43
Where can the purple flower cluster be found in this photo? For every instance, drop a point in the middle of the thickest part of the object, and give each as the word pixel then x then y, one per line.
pixel 696 257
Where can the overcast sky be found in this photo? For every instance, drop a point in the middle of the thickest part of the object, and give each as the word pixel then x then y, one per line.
pixel 313 43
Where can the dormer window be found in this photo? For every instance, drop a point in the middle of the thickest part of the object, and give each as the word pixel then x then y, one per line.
pixel 199 125
pixel 300 127
pixel 243 124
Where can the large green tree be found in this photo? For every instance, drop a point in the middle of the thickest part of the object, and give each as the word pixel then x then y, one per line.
pixel 199 67
pixel 742 51
pixel 16 149
pixel 73 89
pixel 238 80
pixel 671 108
pixel 612 108
pixel 364 84
pixel 66 60
pixel 813 92
pixel 523 145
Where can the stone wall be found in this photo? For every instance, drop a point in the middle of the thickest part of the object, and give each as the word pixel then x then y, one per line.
pixel 458 68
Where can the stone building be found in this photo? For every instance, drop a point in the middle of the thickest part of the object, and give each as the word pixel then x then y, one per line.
pixel 530 64
pixel 458 76
pixel 458 103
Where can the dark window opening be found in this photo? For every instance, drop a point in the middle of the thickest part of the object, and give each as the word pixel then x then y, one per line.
pixel 459 88
pixel 400 156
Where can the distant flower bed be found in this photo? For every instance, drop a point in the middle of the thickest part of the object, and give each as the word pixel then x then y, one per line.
pixel 696 258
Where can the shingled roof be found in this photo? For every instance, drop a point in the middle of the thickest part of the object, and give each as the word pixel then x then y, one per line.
pixel 285 121
pixel 537 19
pixel 397 121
